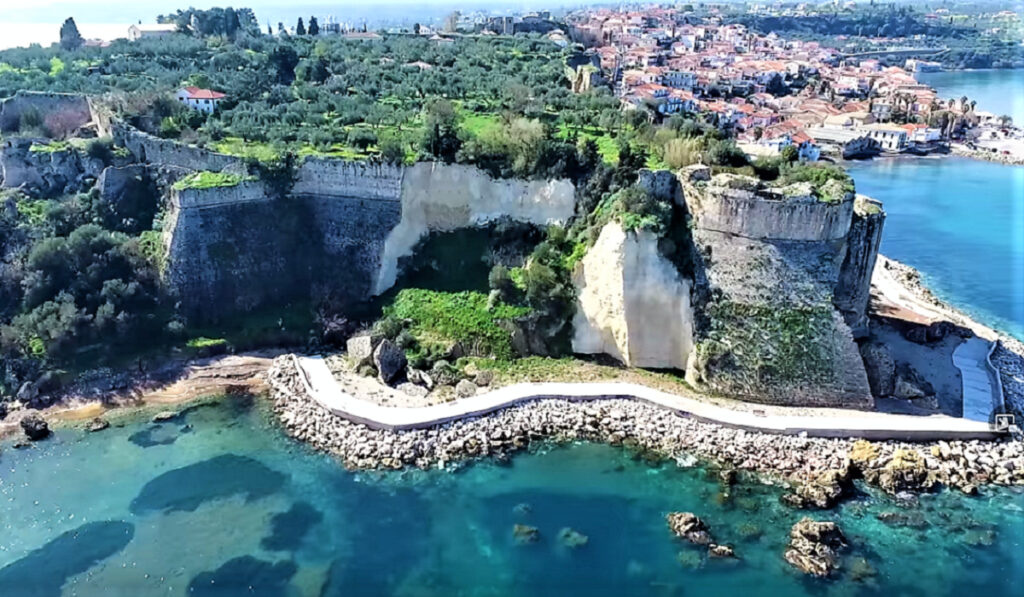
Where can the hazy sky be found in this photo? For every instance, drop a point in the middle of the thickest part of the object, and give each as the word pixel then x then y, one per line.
pixel 98 11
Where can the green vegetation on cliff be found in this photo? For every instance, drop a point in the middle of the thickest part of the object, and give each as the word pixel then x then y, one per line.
pixel 209 180
pixel 757 345
pixel 438 320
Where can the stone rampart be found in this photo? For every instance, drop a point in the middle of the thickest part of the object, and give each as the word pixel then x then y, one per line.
pixel 164 152
pixel 244 192
pixel 768 266
pixel 762 215
pixel 342 227
pixel 45 173
pixel 322 177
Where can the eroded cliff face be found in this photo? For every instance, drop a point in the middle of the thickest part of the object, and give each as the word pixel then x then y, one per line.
pixel 768 266
pixel 854 291
pixel 45 173
pixel 632 303
pixel 439 197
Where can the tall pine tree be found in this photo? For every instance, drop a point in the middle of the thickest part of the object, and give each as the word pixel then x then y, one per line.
pixel 70 38
pixel 314 27
pixel 300 29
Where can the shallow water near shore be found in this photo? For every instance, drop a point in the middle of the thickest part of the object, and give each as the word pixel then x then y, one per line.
pixel 960 222
pixel 225 504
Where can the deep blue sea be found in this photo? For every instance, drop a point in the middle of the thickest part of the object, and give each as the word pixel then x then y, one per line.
pixel 961 223
pixel 219 502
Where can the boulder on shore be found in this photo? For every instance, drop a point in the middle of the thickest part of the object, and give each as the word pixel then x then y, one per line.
pixel 880 367
pixel 360 350
pixel 814 547
pixel 35 427
pixel 389 360
pixel 98 424
pixel 465 388
pixel 822 492
pixel 686 525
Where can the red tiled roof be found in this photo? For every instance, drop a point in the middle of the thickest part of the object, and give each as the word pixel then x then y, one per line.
pixel 197 93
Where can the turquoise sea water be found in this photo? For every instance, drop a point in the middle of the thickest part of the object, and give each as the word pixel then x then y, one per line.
pixel 218 502
pixel 961 223
pixel 999 91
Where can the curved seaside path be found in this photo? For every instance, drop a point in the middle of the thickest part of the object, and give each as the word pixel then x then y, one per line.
pixel 982 390
pixel 321 386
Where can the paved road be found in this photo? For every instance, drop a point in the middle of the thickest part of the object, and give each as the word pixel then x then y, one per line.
pixel 980 389
pixel 836 423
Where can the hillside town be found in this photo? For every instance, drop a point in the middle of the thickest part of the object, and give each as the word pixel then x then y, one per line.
pixel 773 92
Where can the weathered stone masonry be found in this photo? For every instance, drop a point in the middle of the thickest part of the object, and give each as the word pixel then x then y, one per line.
pixel 340 231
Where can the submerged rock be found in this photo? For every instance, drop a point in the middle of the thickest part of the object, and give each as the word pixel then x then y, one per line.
pixel 686 525
pixel 813 547
pixel 98 424
pixel 524 533
pixel 35 427
pixel 166 415
pixel 572 538
pixel 721 551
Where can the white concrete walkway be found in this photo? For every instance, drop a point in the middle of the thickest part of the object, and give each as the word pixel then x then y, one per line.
pixel 321 385
pixel 981 388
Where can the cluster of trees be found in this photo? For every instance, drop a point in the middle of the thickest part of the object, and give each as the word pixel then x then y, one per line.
pixel 228 22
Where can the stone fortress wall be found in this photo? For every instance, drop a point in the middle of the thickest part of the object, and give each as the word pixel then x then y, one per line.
pixel 344 224
pixel 341 228
pixel 755 252
pixel 61 113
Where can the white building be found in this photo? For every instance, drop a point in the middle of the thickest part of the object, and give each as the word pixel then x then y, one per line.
pixel 203 100
pixel 137 32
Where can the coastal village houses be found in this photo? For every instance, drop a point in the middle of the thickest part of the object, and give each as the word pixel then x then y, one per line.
pixel 768 90
pixel 204 100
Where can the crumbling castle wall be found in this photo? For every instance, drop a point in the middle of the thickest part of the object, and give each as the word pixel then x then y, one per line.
pixel 768 269
pixel 60 113
pixel 854 291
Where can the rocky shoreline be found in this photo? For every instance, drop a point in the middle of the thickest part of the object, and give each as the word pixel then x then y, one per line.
pixel 820 470
pixel 988 156
pixel 1008 357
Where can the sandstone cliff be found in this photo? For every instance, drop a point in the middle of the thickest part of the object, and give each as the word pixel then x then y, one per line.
pixel 632 303
pixel 439 197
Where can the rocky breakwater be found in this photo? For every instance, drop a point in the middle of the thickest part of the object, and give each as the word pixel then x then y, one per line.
pixel 768 266
pixel 647 429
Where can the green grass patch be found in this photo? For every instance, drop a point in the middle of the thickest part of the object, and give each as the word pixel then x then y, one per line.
pixel 203 342
pixel 607 146
pixel 476 124
pixel 51 147
pixel 254 150
pixel 33 211
pixel 210 180
pixel 438 319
